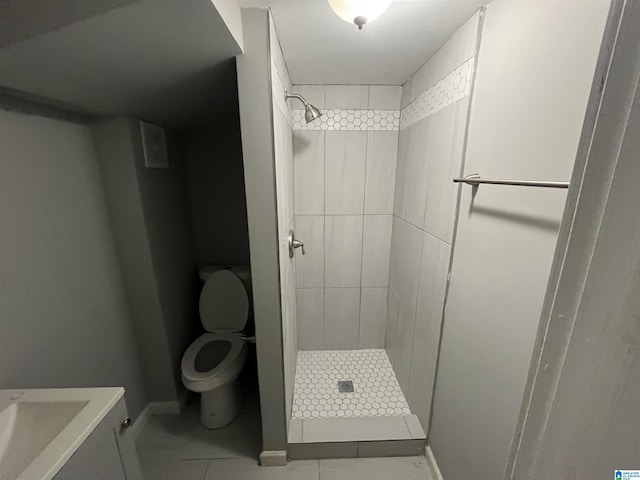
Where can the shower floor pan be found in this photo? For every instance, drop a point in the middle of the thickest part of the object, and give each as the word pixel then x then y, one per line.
pixel 348 403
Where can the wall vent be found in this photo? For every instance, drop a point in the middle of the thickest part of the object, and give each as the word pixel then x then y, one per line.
pixel 154 146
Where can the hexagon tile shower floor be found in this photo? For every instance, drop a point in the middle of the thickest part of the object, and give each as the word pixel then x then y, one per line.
pixel 376 391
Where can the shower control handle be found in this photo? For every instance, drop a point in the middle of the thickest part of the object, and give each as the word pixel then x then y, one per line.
pixel 298 244
pixel 294 243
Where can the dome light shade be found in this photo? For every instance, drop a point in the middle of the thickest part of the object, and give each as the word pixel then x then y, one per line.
pixel 359 11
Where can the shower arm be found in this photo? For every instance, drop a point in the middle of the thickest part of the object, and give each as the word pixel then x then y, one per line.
pixel 288 95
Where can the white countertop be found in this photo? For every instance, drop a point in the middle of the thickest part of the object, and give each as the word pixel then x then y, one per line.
pixel 40 429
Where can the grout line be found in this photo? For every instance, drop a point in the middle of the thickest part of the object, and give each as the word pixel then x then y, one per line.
pixel 422 230
pixel 206 470
pixel 317 288
pixel 364 199
pixel 343 214
pixel 364 196
pixel 324 229
pixel 404 419
pixel 454 233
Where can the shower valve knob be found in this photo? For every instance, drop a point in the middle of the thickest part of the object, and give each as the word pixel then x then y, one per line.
pixel 299 244
pixel 294 243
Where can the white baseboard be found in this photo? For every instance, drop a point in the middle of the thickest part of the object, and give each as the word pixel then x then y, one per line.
pixel 276 458
pixel 171 407
pixel 432 464
pixel 140 422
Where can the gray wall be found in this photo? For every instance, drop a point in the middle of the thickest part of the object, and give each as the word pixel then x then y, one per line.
pixel 65 320
pixel 582 422
pixel 430 152
pixel 527 110
pixel 213 157
pixel 256 119
pixel 150 219
pixel 344 184
pixel 165 205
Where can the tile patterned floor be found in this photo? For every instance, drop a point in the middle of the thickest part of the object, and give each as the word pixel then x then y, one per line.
pixel 177 447
pixel 376 389
pixel 399 468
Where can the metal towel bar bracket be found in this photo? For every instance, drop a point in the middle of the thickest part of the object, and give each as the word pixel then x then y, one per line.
pixel 475 179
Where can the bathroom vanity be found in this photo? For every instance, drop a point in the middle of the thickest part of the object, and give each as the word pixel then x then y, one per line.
pixel 66 434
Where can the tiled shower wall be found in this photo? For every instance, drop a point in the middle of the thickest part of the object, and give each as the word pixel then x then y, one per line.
pixel 435 104
pixel 344 176
pixel 282 138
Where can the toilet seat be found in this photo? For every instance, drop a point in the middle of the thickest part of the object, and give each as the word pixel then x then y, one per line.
pixel 228 369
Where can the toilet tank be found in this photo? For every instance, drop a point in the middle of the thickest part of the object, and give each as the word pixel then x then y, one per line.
pixel 242 271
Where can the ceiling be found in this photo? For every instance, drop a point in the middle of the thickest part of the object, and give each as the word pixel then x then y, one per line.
pixel 320 48
pixel 170 62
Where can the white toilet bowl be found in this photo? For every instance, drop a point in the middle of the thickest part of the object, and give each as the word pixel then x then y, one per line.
pixel 212 363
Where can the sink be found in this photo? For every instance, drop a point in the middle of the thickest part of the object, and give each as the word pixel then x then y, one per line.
pixel 26 428
pixel 41 428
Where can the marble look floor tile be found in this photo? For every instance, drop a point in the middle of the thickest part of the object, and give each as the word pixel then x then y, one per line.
pixel 248 469
pixel 399 468
pixel 380 175
pixel 376 250
pixel 343 250
pixel 314 94
pixel 310 266
pixel 392 448
pixel 421 379
pixel 444 158
pixel 386 97
pixel 310 317
pixel 346 96
pixel 182 437
pixel 345 159
pixel 295 431
pixel 373 317
pixel 355 429
pixel 432 286
pixel 175 470
pixel 308 161
pixel 341 317
pixel 413 424
pixel 307 451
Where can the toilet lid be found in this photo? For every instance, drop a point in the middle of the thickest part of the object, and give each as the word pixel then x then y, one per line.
pixel 224 305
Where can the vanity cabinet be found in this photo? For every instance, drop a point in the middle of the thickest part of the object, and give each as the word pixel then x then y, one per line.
pixel 109 453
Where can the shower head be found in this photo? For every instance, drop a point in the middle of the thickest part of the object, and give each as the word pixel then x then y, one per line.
pixel 310 112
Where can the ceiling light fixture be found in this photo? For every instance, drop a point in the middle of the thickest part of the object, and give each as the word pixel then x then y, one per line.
pixel 359 11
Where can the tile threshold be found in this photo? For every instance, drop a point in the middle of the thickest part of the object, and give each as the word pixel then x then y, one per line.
pixel 355 429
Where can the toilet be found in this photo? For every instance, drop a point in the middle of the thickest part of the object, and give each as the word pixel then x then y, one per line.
pixel 213 362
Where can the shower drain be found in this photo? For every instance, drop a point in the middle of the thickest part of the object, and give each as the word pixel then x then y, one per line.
pixel 345 386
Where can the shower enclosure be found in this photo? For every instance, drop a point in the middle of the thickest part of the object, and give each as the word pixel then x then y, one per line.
pixel 380 300
pixel 362 307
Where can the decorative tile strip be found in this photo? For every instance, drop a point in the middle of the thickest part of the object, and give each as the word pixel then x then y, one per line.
pixel 450 89
pixel 353 120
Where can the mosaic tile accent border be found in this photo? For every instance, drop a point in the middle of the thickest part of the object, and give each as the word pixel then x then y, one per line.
pixel 376 390
pixel 450 89
pixel 351 120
